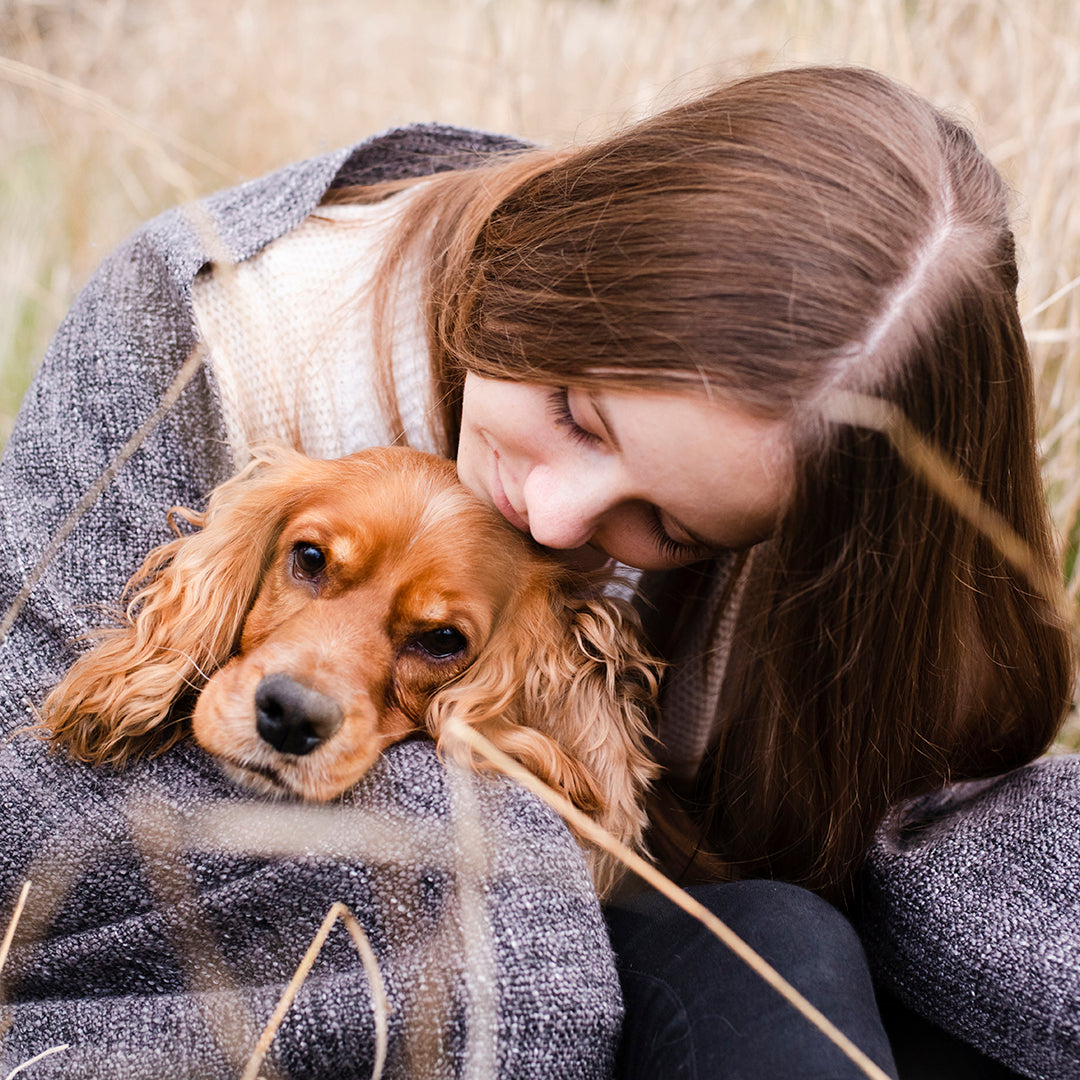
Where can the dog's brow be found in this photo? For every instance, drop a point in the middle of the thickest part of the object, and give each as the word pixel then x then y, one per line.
pixel 443 507
pixel 349 548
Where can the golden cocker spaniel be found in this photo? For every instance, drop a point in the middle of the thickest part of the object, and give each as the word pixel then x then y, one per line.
pixel 323 610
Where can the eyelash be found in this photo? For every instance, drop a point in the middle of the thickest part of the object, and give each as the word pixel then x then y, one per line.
pixel 559 408
pixel 668 546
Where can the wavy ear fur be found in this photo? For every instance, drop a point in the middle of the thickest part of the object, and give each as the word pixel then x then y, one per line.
pixel 565 688
pixel 187 606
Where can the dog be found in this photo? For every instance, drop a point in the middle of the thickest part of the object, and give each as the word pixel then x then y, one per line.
pixel 324 610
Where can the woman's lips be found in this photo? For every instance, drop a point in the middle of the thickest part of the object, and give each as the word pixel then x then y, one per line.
pixel 502 503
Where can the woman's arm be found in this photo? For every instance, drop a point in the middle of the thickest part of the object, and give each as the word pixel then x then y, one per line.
pixel 121 423
pixel 156 950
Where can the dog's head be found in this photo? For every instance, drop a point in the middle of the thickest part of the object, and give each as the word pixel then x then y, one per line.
pixel 323 610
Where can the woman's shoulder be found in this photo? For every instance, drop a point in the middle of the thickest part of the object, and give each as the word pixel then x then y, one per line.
pixel 420 150
pixel 138 301
pixel 236 222
pixel 249 216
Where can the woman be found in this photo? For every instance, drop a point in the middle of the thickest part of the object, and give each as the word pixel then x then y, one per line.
pixel 670 350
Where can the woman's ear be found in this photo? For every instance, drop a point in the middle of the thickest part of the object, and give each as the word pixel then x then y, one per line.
pixel 566 688
pixel 188 602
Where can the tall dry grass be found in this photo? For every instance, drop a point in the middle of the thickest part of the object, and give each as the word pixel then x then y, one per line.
pixel 111 110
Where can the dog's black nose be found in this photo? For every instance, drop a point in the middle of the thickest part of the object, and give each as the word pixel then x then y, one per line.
pixel 293 718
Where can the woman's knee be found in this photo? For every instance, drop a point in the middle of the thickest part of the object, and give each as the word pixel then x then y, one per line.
pixel 790 927
pixel 691 1002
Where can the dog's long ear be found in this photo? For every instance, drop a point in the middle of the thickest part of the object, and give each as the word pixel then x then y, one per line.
pixel 567 689
pixel 187 605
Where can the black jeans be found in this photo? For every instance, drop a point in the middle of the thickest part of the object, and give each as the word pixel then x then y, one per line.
pixel 695 1011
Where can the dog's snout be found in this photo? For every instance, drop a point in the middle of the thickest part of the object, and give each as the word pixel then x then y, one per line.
pixel 293 718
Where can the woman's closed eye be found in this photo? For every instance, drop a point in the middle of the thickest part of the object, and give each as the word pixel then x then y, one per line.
pixel 671 548
pixel 563 415
pixel 668 546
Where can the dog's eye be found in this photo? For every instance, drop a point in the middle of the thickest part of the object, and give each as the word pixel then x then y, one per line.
pixel 309 560
pixel 441 642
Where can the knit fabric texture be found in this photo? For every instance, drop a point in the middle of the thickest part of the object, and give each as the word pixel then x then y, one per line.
pixel 289 330
pixel 154 944
pixel 970 914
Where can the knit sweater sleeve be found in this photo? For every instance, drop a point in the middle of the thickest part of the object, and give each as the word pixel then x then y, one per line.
pixel 152 946
pixel 969 913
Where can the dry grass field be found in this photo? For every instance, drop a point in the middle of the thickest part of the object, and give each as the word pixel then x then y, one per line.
pixel 111 110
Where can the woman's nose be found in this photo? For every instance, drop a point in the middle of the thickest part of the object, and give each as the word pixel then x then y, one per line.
pixel 563 510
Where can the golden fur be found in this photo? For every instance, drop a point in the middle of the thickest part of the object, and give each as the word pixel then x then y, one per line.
pixel 363 600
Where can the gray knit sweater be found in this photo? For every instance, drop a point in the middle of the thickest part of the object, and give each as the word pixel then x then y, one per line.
pixel 164 920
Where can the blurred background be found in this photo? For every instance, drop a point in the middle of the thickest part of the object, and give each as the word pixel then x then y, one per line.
pixel 111 110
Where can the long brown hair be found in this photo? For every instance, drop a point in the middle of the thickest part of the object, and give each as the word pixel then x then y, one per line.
pixel 779 241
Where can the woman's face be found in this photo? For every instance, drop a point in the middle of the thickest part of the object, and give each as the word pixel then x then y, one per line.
pixel 653 479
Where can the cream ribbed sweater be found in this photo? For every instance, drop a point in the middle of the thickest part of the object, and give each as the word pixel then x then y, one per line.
pixel 290 338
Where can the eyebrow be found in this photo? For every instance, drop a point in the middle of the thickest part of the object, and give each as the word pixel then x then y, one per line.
pixel 605 420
